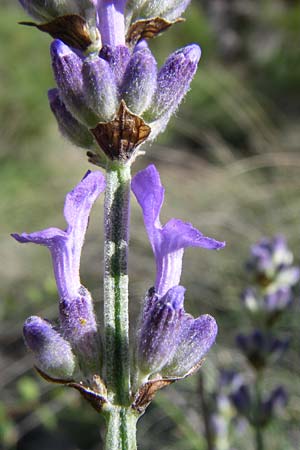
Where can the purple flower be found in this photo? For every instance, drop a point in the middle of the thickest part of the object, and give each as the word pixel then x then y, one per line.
pixel 67 68
pixel 160 326
pixel 77 318
pixel 195 339
pixel 260 348
pixel 271 262
pixel 168 241
pixel 53 354
pixel 241 398
pixel 75 131
pixel 278 300
pixel 262 412
pixel 271 305
pixel 93 82
pixel 276 401
pixel 111 21
pixel 139 82
pixel 173 82
pixel 65 246
pixel 169 340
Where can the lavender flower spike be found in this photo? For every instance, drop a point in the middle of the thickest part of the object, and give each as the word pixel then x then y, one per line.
pixel 65 246
pixel 168 241
pixel 53 354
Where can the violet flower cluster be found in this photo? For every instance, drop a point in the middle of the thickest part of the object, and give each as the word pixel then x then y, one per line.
pixel 271 268
pixel 110 96
pixel 169 341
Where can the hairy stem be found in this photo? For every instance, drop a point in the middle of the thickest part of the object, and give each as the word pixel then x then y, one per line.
pixel 116 226
pixel 121 429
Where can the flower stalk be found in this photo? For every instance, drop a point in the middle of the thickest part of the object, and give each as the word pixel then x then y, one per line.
pixel 116 230
pixel 121 429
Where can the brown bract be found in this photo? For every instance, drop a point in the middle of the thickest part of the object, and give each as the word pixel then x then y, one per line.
pixel 71 29
pixel 120 137
pixel 96 396
pixel 148 29
pixel 147 391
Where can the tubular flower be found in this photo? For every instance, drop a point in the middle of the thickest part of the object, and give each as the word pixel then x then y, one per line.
pixel 52 353
pixel 77 319
pixel 167 241
pixel 169 340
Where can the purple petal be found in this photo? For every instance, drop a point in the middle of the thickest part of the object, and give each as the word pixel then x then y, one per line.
pixel 65 246
pixel 53 354
pixel 195 339
pixel 79 327
pixel 169 241
pixel 173 82
pixel 73 130
pixel 100 88
pixel 118 58
pixel 111 22
pixel 67 69
pixel 241 399
pixel 157 338
pixel 139 81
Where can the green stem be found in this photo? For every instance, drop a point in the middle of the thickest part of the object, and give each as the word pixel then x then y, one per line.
pixel 116 228
pixel 121 429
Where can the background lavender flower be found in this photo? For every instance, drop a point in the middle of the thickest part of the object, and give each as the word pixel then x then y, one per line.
pixel 260 348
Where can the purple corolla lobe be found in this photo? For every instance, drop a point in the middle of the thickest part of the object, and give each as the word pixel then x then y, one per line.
pixel 168 241
pixel 65 246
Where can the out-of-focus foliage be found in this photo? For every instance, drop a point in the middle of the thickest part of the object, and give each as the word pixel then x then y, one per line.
pixel 231 165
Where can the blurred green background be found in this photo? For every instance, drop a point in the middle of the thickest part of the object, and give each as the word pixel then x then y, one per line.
pixel 230 162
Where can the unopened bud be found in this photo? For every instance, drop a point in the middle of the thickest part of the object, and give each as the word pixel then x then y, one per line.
pixel 53 354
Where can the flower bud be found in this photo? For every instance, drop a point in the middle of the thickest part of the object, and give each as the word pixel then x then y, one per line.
pixel 67 68
pixel 73 130
pixel 139 81
pixel 157 337
pixel 276 401
pixel 78 325
pixel 99 88
pixel 260 348
pixel 195 339
pixel 173 82
pixel 241 398
pixel 117 57
pixel 53 354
